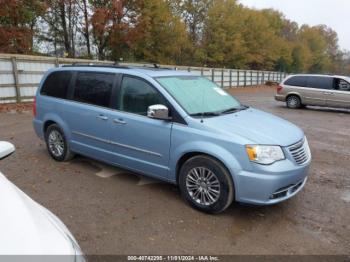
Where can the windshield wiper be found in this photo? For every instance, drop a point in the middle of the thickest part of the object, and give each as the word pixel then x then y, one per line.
pixel 206 114
pixel 218 113
pixel 234 110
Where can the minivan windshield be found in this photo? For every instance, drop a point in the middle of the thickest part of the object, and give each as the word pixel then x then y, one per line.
pixel 199 96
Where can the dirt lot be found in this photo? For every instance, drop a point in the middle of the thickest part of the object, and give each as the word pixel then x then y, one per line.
pixel 111 211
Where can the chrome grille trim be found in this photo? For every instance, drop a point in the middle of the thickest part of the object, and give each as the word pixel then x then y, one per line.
pixel 300 152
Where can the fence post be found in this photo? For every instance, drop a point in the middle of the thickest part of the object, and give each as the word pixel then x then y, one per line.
pixel 238 80
pixel 230 78
pixel 15 78
pixel 251 78
pixel 245 78
pixel 57 63
pixel 222 78
pixel 189 69
pixel 212 74
pixel 263 78
pixel 202 73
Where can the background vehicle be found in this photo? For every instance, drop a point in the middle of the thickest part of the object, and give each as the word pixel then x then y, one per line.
pixel 316 90
pixel 173 126
pixel 28 228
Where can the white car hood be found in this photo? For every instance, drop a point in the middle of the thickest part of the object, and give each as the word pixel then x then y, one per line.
pixel 26 228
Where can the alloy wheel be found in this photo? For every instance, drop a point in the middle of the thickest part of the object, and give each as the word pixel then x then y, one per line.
pixel 56 143
pixel 203 186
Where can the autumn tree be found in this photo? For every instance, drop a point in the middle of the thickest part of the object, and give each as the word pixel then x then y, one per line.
pixel 217 33
pixel 158 36
pixel 17 24
pixel 111 22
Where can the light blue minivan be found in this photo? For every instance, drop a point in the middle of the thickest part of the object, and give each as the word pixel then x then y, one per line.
pixel 174 126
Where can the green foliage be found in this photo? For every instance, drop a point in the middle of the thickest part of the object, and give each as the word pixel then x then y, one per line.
pixel 216 33
pixel 159 36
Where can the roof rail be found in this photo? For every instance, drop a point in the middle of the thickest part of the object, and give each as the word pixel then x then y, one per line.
pixel 117 65
pixel 151 66
pixel 79 64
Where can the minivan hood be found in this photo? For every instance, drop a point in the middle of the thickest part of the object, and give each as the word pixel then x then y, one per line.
pixel 28 228
pixel 257 126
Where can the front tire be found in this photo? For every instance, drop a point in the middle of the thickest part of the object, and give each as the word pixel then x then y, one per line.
pixel 56 144
pixel 206 184
pixel 293 102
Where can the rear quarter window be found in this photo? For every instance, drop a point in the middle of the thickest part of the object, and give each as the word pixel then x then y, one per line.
pixel 56 84
pixel 296 81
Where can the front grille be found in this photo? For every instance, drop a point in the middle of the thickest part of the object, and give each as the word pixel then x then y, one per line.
pixel 300 152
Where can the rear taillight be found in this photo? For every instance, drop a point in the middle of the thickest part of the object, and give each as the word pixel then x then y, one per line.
pixel 34 107
pixel 279 89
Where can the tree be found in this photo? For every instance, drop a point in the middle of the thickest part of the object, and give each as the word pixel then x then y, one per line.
pixel 158 35
pixel 217 33
pixel 61 21
pixel 112 22
pixel 85 23
pixel 223 43
pixel 17 21
pixel 193 13
pixel 313 38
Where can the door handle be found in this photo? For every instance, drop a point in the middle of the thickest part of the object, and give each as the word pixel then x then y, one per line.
pixel 327 93
pixel 102 117
pixel 119 121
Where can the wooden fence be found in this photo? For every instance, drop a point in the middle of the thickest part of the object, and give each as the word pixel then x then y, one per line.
pixel 20 75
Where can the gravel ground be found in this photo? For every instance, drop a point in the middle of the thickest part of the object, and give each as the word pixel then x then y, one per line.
pixel 112 211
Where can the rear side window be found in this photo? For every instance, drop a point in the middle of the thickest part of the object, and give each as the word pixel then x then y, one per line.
pixel 56 84
pixel 320 82
pixel 296 81
pixel 94 88
pixel 137 95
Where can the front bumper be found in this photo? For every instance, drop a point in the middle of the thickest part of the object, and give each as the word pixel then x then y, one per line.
pixel 267 188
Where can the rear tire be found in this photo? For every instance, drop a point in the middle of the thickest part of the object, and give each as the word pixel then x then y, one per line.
pixel 56 144
pixel 206 184
pixel 293 101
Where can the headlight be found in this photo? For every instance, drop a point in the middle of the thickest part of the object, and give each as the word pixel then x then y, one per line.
pixel 265 155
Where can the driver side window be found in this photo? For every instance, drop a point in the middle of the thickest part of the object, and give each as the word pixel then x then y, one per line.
pixel 342 85
pixel 137 95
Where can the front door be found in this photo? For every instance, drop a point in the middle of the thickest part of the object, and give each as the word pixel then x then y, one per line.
pixel 340 95
pixel 140 143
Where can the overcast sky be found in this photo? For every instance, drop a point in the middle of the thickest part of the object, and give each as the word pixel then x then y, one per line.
pixel 333 13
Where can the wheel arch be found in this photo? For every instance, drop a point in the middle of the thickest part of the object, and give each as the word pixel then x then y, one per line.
pixel 47 124
pixel 50 119
pixel 188 155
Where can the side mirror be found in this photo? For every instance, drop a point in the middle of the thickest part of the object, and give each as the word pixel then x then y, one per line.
pixel 6 149
pixel 158 112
